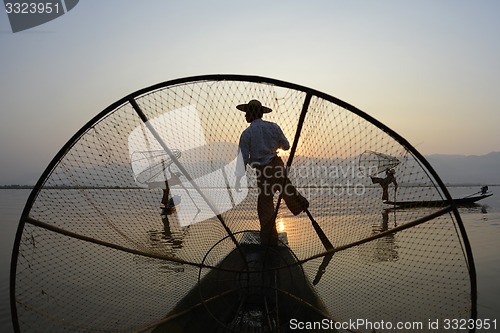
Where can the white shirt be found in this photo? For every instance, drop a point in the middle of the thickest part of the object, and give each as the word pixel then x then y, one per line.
pixel 258 145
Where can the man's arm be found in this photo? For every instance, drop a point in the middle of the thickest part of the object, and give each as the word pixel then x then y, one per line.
pixel 241 161
pixel 243 156
pixel 282 140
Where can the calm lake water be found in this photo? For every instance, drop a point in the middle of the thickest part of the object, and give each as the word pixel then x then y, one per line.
pixel 482 224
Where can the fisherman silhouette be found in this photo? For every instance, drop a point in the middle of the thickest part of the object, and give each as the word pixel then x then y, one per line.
pixel 484 190
pixel 258 148
pixel 168 204
pixel 385 182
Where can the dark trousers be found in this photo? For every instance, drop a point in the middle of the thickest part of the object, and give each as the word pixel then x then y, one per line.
pixel 384 182
pixel 270 179
pixel 166 192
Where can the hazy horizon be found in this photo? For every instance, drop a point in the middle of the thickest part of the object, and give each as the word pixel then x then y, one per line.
pixel 428 70
pixel 461 173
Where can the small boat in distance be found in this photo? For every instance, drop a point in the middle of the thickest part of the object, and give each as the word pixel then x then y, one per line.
pixel 460 202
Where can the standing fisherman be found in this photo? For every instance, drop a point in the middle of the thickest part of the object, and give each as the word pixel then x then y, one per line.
pixel 384 182
pixel 258 147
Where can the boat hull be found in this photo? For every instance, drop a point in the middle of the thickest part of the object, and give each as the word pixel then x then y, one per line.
pixel 467 201
pixel 255 289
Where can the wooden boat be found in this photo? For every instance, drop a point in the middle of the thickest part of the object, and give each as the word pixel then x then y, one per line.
pixel 465 201
pixel 255 288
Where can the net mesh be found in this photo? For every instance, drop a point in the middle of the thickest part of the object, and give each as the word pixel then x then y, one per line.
pixel 98 254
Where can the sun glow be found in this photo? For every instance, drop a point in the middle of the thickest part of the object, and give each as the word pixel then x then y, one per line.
pixel 282 153
pixel 280 226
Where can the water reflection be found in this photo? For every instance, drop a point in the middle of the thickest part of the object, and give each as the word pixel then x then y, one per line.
pixel 476 208
pixel 384 248
pixel 171 236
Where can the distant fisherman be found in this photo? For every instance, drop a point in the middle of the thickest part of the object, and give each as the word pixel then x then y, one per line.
pixel 385 182
pixel 484 190
pixel 258 148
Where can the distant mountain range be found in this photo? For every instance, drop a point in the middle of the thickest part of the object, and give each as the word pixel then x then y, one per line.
pixel 460 169
pixel 452 169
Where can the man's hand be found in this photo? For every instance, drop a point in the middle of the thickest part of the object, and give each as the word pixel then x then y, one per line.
pixel 237 184
pixel 175 179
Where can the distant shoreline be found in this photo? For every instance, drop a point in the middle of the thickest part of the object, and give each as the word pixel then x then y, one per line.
pixel 14 187
pixel 30 187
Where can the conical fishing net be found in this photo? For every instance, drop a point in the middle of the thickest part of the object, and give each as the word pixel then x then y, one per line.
pixel 372 163
pixel 99 249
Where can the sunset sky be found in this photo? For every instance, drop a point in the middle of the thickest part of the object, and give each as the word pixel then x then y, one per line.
pixel 430 70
